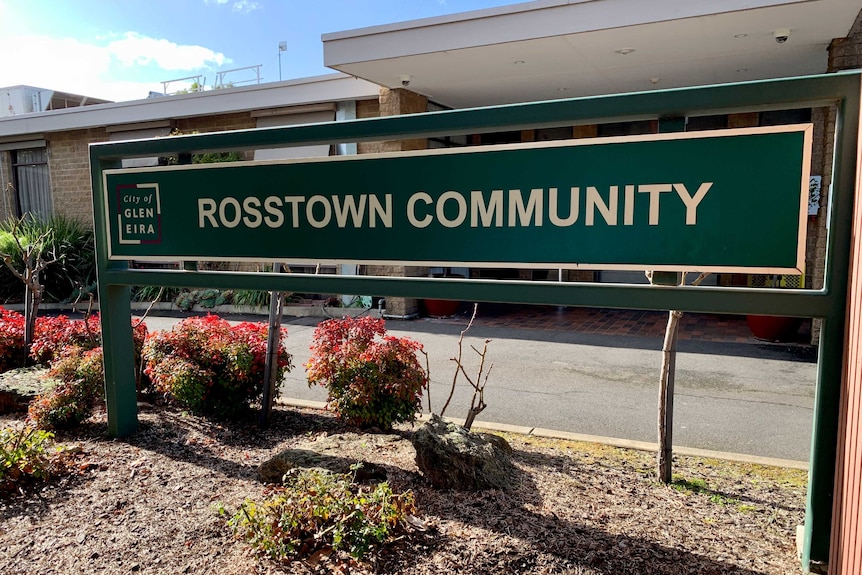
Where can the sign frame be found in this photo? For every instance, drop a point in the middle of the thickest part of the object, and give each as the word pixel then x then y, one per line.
pixel 828 303
pixel 509 151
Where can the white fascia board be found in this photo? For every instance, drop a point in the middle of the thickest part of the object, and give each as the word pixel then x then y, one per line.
pixel 328 88
pixel 516 23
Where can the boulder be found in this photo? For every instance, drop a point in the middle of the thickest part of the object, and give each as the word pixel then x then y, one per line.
pixel 18 387
pixel 451 457
pixel 328 453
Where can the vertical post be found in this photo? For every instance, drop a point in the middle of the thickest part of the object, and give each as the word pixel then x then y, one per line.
pixel 273 339
pixel 824 439
pixel 668 371
pixel 827 399
pixel 121 396
pixel 29 320
pixel 282 47
pixel 665 401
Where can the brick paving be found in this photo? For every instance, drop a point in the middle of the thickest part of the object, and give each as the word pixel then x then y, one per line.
pixel 693 326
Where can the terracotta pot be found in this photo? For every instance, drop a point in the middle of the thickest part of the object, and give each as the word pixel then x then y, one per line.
pixel 773 328
pixel 442 307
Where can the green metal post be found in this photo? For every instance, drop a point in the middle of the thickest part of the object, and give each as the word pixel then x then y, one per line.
pixel 116 317
pixel 818 513
pixel 118 346
pixel 824 440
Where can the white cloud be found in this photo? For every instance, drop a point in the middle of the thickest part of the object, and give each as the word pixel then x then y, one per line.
pixel 246 6
pixel 85 68
pixel 135 49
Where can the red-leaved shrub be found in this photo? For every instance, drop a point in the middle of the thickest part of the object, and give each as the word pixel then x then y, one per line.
pixel 211 367
pixel 77 367
pixel 51 336
pixel 373 380
pixel 12 352
pixel 54 334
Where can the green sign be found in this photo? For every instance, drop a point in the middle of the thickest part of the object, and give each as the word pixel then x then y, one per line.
pixel 707 201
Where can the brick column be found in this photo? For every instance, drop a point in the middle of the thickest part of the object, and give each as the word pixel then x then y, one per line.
pixel 843 54
pixel 397 102
pixel 69 168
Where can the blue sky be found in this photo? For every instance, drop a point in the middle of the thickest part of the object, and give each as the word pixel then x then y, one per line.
pixel 122 49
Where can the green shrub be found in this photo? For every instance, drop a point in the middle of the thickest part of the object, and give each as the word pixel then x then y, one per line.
pixel 25 455
pixel 316 509
pixel 373 380
pixel 151 293
pixel 11 288
pixel 70 241
pixel 205 298
pixel 253 298
pixel 211 367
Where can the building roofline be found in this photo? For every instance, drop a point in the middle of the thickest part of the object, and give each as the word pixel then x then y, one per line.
pixel 449 18
pixel 326 88
pixel 514 23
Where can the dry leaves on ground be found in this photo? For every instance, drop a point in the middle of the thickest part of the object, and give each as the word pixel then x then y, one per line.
pixel 146 505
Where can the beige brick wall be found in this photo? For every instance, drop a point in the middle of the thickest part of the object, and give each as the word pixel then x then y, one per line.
pixel 368 109
pixel 396 102
pixel 69 169
pixel 69 163
pixel 846 53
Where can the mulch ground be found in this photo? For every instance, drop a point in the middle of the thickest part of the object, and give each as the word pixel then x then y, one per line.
pixel 146 505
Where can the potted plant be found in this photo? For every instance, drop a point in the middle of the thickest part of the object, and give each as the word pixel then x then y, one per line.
pixel 442 307
pixel 770 327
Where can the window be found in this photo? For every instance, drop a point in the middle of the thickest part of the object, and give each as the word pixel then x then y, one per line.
pixel 140 131
pixel 30 178
pixel 291 117
pixel 629 128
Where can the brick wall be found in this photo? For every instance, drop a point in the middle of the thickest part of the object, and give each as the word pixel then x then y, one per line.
pixel 69 171
pixel 368 109
pixel 397 102
pixel 69 163
pixel 846 53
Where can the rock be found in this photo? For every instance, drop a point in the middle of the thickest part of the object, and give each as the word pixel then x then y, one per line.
pixel 327 453
pixel 451 457
pixel 18 387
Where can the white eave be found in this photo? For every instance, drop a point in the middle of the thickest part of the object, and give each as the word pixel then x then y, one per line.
pixel 318 89
pixel 560 48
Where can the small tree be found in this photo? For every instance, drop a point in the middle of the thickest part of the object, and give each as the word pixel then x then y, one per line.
pixel 477 402
pixel 35 260
pixel 664 462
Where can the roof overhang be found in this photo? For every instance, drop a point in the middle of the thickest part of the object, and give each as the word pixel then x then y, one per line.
pixel 304 91
pixel 566 48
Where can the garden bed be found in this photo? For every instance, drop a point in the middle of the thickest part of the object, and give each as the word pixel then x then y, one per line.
pixel 146 504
